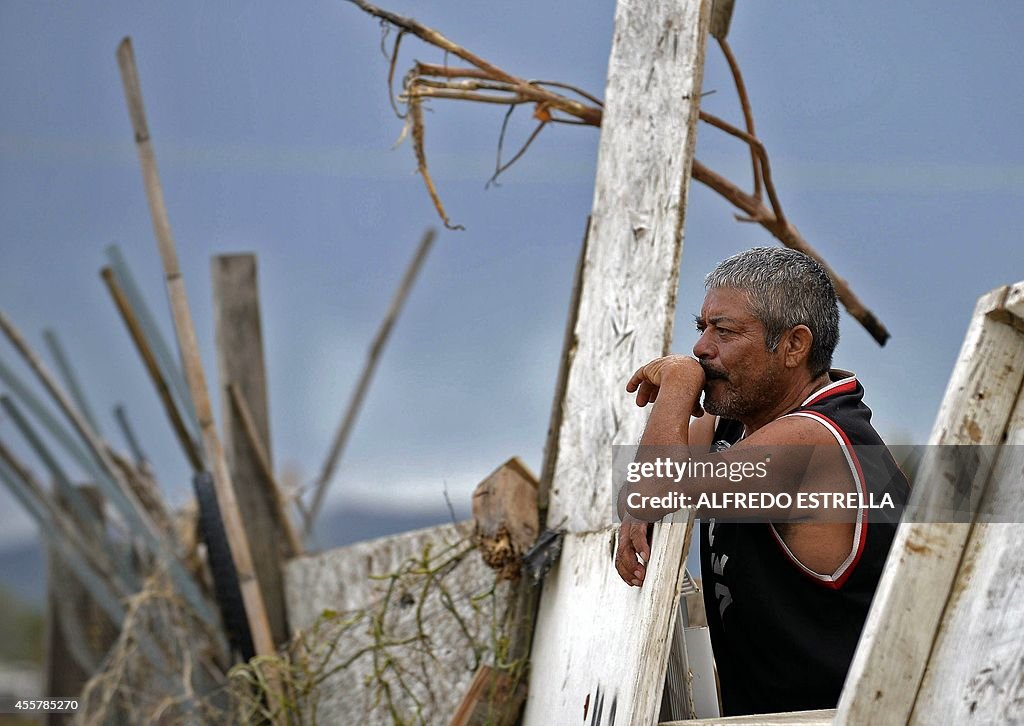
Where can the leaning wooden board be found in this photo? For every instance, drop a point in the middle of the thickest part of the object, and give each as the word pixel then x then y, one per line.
pixel 600 648
pixel 944 641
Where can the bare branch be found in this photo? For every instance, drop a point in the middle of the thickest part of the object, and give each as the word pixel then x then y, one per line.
pixel 755 146
pixel 788 235
pixel 486 83
pixel 501 168
pixel 435 38
pixel 391 74
pixel 748 115
pixel 416 114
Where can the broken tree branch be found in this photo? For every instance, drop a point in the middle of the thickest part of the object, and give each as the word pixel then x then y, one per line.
pixel 748 114
pixel 788 234
pixel 492 81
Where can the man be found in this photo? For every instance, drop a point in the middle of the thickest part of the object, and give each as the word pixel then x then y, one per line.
pixel 786 601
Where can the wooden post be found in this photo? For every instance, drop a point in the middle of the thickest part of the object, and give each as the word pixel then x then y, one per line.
pixel 236 313
pixel 241 554
pixel 615 660
pixel 919 588
pixel 78 632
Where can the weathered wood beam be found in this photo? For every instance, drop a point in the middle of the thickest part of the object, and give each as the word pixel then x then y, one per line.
pixel 240 367
pixel 981 407
pixel 629 282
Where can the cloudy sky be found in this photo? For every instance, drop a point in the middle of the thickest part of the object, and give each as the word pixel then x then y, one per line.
pixel 893 130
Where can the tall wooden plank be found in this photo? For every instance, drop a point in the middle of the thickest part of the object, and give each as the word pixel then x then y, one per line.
pixel 631 270
pixel 600 647
pixel 240 361
pixel 901 628
pixel 976 670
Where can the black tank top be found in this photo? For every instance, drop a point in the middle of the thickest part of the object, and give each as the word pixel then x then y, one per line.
pixel 783 635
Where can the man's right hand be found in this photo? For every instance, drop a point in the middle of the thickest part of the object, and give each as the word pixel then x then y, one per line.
pixel 632 542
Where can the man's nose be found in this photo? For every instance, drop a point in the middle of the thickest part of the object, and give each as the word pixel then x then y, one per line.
pixel 702 348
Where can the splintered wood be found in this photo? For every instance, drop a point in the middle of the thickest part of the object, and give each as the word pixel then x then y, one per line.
pixel 505 513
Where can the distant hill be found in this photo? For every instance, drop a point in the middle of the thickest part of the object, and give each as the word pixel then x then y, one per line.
pixel 23 566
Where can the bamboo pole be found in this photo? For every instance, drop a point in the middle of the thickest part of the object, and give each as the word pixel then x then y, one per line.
pixel 359 392
pixel 189 348
pixel 153 368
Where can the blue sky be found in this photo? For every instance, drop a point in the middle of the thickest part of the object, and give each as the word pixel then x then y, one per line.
pixel 893 130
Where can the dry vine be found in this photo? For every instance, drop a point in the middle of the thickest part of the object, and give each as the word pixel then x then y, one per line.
pixel 394 640
pixel 485 82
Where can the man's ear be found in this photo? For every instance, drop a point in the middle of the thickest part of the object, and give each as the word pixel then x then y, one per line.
pixel 796 346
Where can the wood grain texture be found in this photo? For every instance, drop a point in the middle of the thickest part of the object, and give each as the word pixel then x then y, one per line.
pixel 240 362
pixel 898 637
pixel 976 670
pixel 348 579
pixel 631 271
pixel 793 718
pixel 505 513
pixel 601 647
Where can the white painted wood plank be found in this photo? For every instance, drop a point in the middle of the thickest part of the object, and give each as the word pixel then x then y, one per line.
pixel 792 718
pixel 631 269
pixel 343 580
pixel 601 647
pixel 891 657
pixel 976 670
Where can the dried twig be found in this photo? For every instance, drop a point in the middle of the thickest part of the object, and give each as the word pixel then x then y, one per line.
pixel 788 234
pixel 491 84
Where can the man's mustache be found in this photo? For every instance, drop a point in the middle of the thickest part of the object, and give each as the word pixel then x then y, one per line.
pixel 711 374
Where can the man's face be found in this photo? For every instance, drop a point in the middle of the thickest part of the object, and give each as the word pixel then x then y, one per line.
pixel 742 375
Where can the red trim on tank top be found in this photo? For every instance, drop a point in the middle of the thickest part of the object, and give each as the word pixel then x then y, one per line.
pixel 836 387
pixel 861 485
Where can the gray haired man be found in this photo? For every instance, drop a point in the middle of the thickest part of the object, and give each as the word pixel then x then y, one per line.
pixel 786 600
